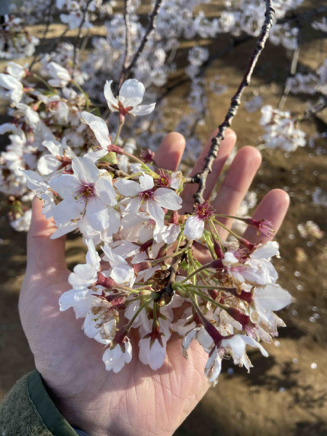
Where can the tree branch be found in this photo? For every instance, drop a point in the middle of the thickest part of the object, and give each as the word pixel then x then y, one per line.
pixel 314 110
pixel 201 176
pixel 49 15
pixel 78 39
pixel 127 42
pixel 150 29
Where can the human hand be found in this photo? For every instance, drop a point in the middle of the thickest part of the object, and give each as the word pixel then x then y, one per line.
pixel 137 400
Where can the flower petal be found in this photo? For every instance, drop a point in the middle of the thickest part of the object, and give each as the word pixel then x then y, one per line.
pixel 141 110
pixel 131 93
pixel 146 182
pixel 48 164
pixel 272 297
pixel 193 227
pixel 97 214
pixel 168 199
pixel 156 212
pixel 68 210
pixel 128 188
pixel 106 192
pixel 99 127
pixel 111 100
pixel 85 170
pixel 65 185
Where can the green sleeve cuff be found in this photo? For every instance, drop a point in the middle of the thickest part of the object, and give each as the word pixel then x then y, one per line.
pixel 45 407
pixel 27 410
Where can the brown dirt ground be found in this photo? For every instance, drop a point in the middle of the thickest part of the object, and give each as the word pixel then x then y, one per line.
pixel 282 395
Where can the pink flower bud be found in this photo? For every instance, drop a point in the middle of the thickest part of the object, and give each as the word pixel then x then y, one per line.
pixel 106 282
pixel 238 316
pixel 218 250
pixel 263 226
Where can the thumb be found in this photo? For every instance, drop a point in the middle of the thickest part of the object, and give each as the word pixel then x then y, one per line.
pixel 43 252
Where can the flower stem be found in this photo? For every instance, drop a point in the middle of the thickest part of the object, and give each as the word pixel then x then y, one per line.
pixel 155 261
pixel 120 125
pixel 44 82
pixel 129 325
pixel 196 272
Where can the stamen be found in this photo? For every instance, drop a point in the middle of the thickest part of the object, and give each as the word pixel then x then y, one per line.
pixel 204 211
pixel 86 191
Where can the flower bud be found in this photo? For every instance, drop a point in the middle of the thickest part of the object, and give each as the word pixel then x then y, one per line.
pixel 106 282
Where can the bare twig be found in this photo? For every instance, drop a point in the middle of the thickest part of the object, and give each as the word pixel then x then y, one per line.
pixel 79 39
pixel 127 42
pixel 47 25
pixel 53 46
pixel 314 110
pixel 150 29
pixel 303 16
pixel 201 176
pixel 292 73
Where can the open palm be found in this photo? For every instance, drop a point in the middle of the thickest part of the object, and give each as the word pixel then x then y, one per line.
pixel 137 400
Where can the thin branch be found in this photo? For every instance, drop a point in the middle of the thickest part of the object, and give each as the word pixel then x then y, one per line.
pixel 53 46
pixel 150 29
pixel 48 22
pixel 127 42
pixel 303 16
pixel 79 39
pixel 314 110
pixel 292 73
pixel 201 176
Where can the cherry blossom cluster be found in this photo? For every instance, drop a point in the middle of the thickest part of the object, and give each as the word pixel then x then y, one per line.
pixel 175 22
pixel 247 16
pixel 281 130
pixel 130 214
pixel 15 40
pixel 43 117
pixel 311 83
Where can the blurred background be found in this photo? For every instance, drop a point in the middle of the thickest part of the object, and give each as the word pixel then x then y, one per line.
pixel 285 394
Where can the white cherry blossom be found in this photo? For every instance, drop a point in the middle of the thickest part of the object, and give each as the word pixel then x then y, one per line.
pixel 49 163
pixel 116 358
pixel 152 200
pixel 86 192
pixel 129 99
pixel 10 88
pixel 59 75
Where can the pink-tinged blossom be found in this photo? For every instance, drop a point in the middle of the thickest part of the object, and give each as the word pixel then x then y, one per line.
pixel 152 200
pixel 116 357
pixel 194 225
pixel 213 366
pixel 256 269
pixel 101 132
pixel 100 322
pixel 201 335
pixel 168 179
pixel 152 352
pixel 263 226
pixel 85 275
pixel 129 99
pixel 236 346
pixel 86 192
pixel 60 155
pixel 271 297
pixel 121 272
pixel 59 75
pixel 10 88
